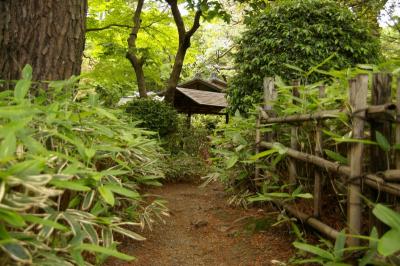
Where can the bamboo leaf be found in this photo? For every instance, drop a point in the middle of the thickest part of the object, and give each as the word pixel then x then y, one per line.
pixel 314 250
pixel 387 216
pixel 263 154
pixel 69 184
pixel 339 245
pixel 17 252
pixel 8 146
pixel 88 199
pixel 383 143
pixel 350 140
pixel 47 222
pixel 336 157
pixel 107 195
pixel 389 243
pixel 105 251
pixel 12 218
pixel 123 191
pixel 128 233
pixel 231 161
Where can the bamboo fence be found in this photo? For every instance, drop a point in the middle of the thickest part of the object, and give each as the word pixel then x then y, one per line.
pixel 380 176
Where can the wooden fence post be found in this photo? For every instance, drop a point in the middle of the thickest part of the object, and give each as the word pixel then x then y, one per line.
pixel 258 139
pixel 317 173
pixel 397 164
pixel 293 136
pixel 269 96
pixel 358 103
pixel 381 94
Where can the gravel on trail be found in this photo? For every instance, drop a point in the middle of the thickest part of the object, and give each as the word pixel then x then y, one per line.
pixel 204 230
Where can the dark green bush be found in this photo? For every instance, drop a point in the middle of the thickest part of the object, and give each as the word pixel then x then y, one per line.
pixel 302 34
pixel 155 115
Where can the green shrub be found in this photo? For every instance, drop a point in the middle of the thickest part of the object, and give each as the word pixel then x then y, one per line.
pixel 70 173
pixel 183 167
pixel 293 35
pixel 154 115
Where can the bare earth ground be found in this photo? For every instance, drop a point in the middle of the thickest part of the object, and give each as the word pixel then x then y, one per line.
pixel 204 230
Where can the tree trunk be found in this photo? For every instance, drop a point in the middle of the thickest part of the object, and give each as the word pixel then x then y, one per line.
pixel 136 61
pixel 175 74
pixel 184 44
pixel 49 35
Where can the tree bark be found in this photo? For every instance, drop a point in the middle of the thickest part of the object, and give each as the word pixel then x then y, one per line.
pixel 184 44
pixel 131 55
pixel 49 35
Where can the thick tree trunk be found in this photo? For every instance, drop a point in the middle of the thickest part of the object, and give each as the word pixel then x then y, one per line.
pixel 49 35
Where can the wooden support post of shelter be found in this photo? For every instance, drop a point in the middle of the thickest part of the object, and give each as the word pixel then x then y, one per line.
pixel 317 173
pixel 293 135
pixel 358 104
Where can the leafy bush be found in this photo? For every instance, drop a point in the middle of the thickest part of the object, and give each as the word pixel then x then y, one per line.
pixel 380 251
pixel 233 144
pixel 154 115
pixel 70 173
pixel 303 34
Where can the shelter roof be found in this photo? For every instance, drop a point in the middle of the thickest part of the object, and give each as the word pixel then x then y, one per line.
pixel 209 98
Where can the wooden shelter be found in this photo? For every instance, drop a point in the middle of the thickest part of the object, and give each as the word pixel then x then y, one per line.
pixel 199 96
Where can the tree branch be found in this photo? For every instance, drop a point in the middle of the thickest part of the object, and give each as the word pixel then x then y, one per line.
pixel 180 25
pixel 109 26
pixel 196 24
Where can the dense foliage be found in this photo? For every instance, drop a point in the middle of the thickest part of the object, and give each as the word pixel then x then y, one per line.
pixel 70 173
pixel 154 115
pixel 291 37
pixel 187 152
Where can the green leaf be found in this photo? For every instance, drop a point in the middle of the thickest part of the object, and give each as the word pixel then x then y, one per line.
pixel 123 191
pixel 8 146
pixel 305 195
pixel 107 195
pixel 263 154
pixel 69 184
pixel 27 72
pixel 17 252
pixel 88 199
pixel 128 233
pixel 389 243
pixel 339 245
pixel 336 157
pixel 105 251
pixel 383 143
pixel 350 140
pixel 231 161
pixel 37 220
pixel 387 216
pixel 21 89
pixel 314 250
pixel 12 218
pixel 294 68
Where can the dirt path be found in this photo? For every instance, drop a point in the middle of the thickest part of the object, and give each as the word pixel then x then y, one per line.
pixel 203 230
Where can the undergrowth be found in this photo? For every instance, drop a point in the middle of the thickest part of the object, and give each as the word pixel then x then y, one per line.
pixel 70 176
